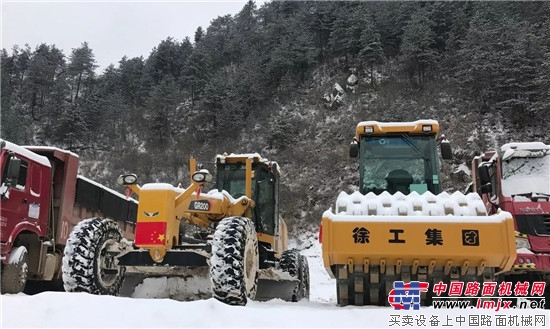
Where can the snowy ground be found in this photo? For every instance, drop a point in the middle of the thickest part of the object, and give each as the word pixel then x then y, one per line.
pixel 80 310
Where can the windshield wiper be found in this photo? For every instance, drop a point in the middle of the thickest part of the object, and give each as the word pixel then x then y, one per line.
pixel 410 142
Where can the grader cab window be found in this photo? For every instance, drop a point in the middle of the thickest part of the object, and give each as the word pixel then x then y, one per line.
pixel 231 178
pixel 264 213
pixel 399 163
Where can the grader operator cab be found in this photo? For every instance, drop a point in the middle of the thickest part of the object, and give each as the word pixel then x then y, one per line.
pixel 241 250
pixel 399 226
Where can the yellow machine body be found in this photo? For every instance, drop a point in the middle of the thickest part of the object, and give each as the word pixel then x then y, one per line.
pixel 373 237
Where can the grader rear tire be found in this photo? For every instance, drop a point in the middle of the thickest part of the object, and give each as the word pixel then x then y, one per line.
pixel 88 266
pixel 14 274
pixel 234 263
pixel 304 277
pixel 296 266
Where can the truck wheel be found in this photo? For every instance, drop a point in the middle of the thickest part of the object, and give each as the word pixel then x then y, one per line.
pixel 304 279
pixel 14 273
pixel 89 262
pixel 293 263
pixel 234 263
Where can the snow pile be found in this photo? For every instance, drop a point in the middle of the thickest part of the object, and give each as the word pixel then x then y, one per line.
pixel 323 287
pixel 413 204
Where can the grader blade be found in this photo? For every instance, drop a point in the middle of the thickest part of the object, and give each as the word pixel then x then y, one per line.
pixel 285 289
pixel 289 281
pixel 188 284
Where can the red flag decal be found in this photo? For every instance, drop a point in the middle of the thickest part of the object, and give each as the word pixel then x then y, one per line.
pixel 150 233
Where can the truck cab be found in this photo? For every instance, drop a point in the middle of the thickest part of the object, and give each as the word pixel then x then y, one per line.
pixel 25 195
pixel 516 179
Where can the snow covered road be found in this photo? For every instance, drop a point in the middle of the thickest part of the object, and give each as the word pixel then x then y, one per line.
pixel 81 310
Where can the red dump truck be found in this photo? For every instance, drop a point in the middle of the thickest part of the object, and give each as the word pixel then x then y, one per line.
pixel 517 179
pixel 42 198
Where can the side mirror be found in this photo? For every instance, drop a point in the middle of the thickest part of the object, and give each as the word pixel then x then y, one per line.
pixel 483 173
pixel 446 151
pixel 354 149
pixel 486 188
pixel 126 180
pixel 12 175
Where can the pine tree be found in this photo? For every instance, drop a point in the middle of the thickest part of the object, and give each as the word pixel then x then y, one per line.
pixel 417 50
pixel 199 35
pixel 371 48
pixel 45 66
pixel 160 115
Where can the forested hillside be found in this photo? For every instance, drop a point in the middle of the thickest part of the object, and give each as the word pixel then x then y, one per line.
pixel 264 81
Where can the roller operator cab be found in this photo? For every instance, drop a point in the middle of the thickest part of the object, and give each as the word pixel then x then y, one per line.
pixel 399 157
pixel 400 227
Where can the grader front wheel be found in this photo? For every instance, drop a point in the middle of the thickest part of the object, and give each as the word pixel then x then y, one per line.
pixel 234 263
pixel 89 264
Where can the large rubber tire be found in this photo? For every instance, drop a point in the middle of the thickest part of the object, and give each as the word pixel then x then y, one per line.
pixel 234 263
pixel 86 265
pixel 304 277
pixel 14 273
pixel 296 266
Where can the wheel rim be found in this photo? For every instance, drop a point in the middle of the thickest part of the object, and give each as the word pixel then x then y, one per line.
pixel 107 262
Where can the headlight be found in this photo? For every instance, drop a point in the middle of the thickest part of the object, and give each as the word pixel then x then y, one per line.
pixel 522 243
pixel 125 180
pixel 202 176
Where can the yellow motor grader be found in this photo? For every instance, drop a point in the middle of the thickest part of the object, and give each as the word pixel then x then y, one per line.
pixel 240 250
pixel 399 226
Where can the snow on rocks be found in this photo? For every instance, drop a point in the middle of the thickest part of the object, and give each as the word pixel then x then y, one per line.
pixel 352 80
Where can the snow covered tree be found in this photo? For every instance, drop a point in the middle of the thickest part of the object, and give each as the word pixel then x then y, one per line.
pixel 417 50
pixel 371 48
pixel 80 70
